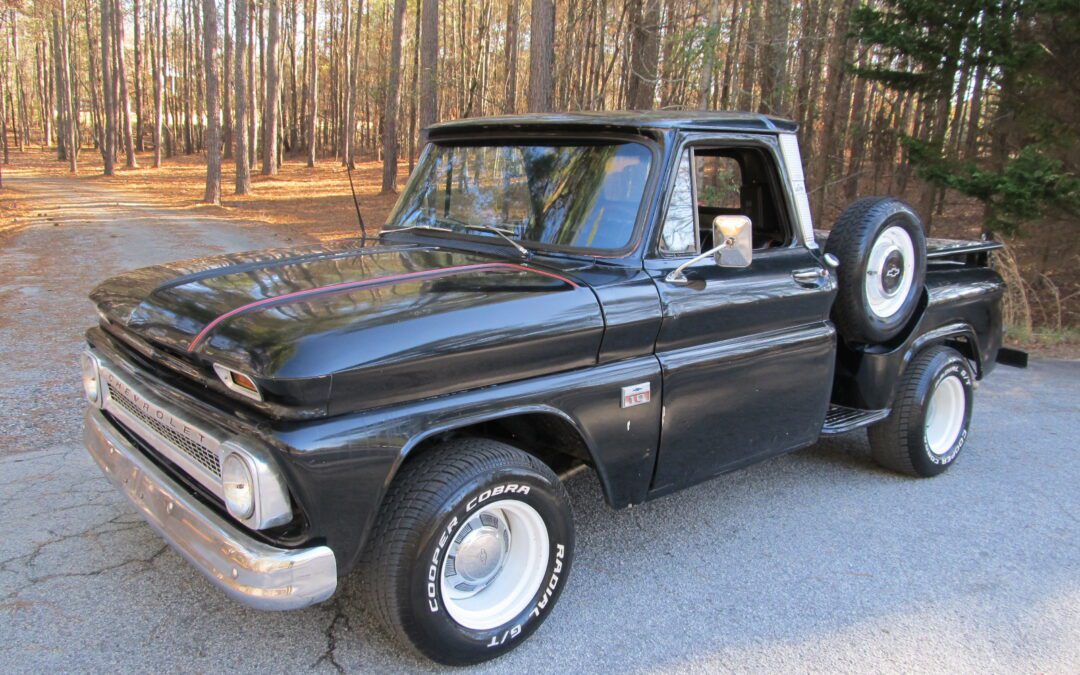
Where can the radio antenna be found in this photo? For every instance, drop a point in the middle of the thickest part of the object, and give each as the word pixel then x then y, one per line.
pixel 356 203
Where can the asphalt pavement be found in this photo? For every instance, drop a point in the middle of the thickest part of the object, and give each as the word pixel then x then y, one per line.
pixel 816 561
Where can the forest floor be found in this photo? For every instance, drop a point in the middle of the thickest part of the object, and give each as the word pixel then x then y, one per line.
pixel 299 201
pixel 302 203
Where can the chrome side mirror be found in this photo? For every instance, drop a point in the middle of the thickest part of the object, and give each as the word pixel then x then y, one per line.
pixel 734 241
pixel 734 246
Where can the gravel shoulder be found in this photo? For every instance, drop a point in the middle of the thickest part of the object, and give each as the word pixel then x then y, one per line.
pixel 817 561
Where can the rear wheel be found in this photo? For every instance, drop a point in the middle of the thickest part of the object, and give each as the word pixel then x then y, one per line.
pixel 470 552
pixel 928 425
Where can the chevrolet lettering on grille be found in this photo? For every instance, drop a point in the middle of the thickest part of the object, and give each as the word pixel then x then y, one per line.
pixel 149 409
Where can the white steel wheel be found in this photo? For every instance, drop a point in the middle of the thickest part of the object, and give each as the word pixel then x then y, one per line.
pixel 945 415
pixel 890 271
pixel 494 564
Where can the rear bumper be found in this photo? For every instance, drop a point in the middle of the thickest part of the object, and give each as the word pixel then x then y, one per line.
pixel 250 571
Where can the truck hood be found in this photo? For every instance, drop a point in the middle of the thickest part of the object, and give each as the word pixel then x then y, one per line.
pixel 387 323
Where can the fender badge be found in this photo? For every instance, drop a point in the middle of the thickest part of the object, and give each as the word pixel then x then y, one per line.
pixel 636 394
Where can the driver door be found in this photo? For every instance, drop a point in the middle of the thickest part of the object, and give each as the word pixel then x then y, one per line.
pixel 747 354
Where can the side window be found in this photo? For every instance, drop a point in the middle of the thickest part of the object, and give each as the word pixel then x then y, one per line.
pixel 679 235
pixel 719 180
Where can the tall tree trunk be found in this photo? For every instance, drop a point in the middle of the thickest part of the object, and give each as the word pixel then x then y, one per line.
pixel 61 39
pixel 226 86
pixel 644 54
pixel 708 60
pixel 252 102
pixel 774 59
pixel 415 90
pixel 390 110
pixel 3 125
pixel 825 152
pixel 23 123
pixel 138 77
pixel 511 58
pixel 294 118
pixel 240 93
pixel 121 75
pixel 167 106
pixel 159 84
pixel 971 142
pixel 108 148
pixel 731 52
pixel 273 91
pixel 429 56
pixel 212 193
pixel 311 31
pixel 542 56
pixel 354 76
pixel 748 70
pixel 185 58
pixel 46 119
pixel 69 100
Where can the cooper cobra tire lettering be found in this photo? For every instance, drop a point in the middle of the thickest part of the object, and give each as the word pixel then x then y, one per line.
pixel 509 488
pixel 433 570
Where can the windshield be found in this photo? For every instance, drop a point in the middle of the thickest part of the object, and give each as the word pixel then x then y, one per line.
pixel 571 196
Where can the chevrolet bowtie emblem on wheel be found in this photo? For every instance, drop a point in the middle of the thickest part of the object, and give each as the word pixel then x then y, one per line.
pixel 636 394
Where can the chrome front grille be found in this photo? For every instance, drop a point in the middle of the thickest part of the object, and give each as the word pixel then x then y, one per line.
pixel 206 457
pixel 165 427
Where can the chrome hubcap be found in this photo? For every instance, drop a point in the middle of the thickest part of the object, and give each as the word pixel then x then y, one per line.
pixel 494 564
pixel 889 271
pixel 477 555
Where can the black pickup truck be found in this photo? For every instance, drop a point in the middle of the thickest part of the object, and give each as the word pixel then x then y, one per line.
pixel 640 294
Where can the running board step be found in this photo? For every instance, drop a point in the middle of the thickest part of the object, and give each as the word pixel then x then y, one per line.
pixel 840 419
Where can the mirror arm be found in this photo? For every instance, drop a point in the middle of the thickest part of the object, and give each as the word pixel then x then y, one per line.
pixel 676 275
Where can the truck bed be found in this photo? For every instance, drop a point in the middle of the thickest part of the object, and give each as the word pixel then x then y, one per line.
pixel 937 248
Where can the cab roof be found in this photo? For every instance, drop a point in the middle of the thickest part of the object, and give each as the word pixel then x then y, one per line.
pixel 622 120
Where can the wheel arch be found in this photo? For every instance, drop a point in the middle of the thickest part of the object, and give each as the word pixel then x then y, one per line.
pixel 545 432
pixel 959 335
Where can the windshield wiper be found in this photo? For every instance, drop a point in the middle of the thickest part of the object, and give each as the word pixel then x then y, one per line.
pixel 420 227
pixel 525 253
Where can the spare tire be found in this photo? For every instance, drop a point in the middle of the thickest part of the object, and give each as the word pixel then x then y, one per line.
pixel 881 247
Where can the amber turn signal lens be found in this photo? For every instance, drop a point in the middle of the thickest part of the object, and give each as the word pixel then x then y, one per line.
pixel 241 380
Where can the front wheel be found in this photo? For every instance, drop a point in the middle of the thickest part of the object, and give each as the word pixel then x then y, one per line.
pixel 471 551
pixel 928 425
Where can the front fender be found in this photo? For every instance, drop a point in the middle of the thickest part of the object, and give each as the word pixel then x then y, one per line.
pixel 341 467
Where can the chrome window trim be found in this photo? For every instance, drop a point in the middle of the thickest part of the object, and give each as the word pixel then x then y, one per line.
pixel 789 150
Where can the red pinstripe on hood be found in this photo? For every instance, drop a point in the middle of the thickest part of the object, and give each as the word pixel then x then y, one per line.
pixel 378 281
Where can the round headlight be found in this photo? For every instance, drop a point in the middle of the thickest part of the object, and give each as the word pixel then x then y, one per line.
pixel 90 380
pixel 239 487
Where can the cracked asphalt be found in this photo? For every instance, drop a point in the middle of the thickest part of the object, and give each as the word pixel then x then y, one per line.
pixel 817 561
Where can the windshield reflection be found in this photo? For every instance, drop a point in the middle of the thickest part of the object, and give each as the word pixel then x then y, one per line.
pixel 576 196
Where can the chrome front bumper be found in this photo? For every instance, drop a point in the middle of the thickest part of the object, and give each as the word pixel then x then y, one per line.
pixel 254 573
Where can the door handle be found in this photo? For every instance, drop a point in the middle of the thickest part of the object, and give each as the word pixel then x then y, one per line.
pixel 811 277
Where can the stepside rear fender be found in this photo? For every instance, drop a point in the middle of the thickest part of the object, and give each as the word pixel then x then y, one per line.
pixel 961 307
